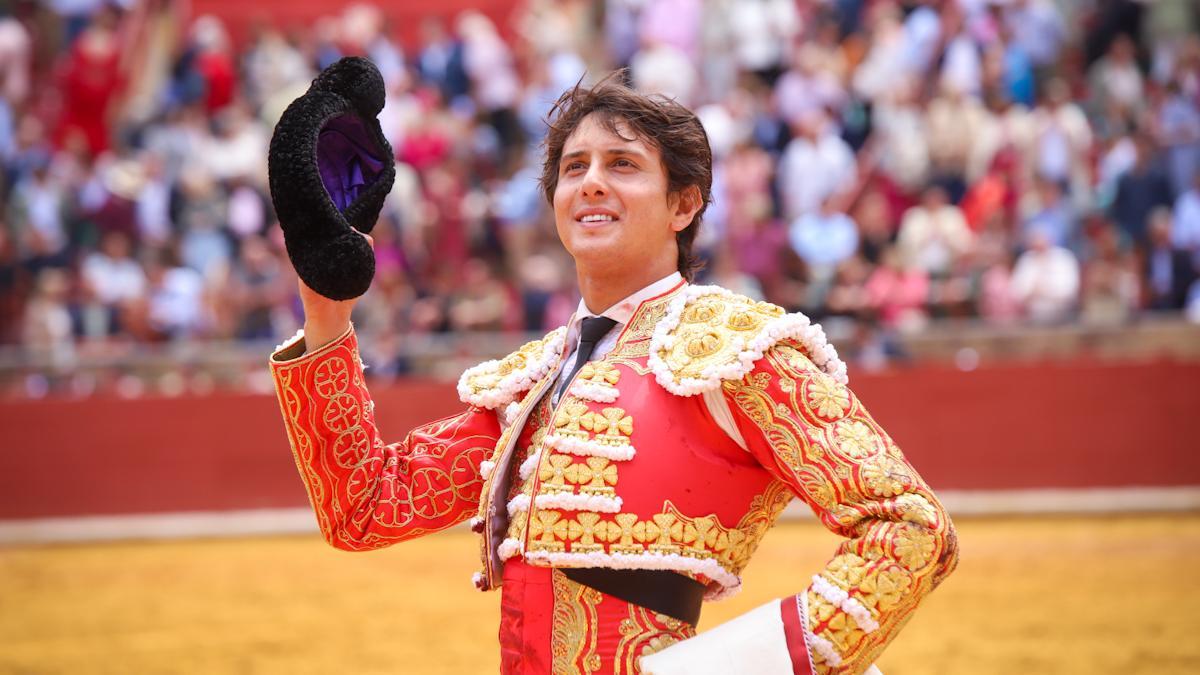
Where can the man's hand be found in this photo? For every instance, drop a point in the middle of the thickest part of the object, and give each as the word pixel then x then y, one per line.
pixel 325 319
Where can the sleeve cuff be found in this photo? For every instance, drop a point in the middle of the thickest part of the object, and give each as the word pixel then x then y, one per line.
pixel 293 349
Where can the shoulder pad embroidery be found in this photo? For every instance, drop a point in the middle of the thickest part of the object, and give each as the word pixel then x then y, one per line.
pixel 496 383
pixel 711 334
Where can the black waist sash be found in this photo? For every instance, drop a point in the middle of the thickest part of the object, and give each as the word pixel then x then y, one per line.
pixel 662 591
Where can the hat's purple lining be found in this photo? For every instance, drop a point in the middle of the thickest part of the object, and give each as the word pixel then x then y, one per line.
pixel 348 160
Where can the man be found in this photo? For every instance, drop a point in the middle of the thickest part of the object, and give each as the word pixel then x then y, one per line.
pixel 624 467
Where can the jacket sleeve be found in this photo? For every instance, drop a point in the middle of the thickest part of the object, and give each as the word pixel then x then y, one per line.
pixel 368 494
pixel 813 433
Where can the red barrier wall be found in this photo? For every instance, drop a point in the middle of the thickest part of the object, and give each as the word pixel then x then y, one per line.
pixel 1053 426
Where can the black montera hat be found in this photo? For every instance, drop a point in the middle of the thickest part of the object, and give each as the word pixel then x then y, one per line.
pixel 330 169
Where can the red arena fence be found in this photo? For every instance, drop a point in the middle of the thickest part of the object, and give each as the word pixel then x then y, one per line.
pixel 1063 425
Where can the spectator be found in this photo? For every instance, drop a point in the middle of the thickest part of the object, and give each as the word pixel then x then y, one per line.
pixel 1139 191
pixel 16 58
pixel 1116 80
pixel 897 293
pixel 1185 227
pixel 763 31
pixel 1052 215
pixel 1110 292
pixel 824 239
pixel 998 303
pixel 1179 128
pixel 1168 271
pixel 934 233
pixel 113 283
pixel 174 300
pixel 952 123
pixel 816 165
pixel 1037 27
pixel 38 216
pixel 1063 142
pixel 899 129
pixel 47 326
pixel 1046 280
pixel 91 83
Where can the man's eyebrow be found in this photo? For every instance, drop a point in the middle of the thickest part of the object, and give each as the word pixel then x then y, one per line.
pixel 609 151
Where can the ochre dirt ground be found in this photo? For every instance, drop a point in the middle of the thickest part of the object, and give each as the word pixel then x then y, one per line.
pixel 1083 595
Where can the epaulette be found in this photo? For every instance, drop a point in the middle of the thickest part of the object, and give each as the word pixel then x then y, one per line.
pixel 710 335
pixel 495 383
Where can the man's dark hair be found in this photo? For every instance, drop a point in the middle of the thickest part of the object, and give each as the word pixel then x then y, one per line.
pixel 653 119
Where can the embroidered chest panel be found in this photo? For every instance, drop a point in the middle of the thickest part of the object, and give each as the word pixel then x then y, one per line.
pixel 610 480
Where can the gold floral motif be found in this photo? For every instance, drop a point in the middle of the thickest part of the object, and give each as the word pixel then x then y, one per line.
pixel 600 373
pixel 744 321
pixel 513 362
pixel 914 546
pixel 611 426
pixel 707 326
pixel 826 397
pixel 884 589
pixel 625 524
pixel 844 632
pixel 885 477
pixel 595 476
pixel 570 418
pixel 574 627
pixel 703 312
pixel 547 531
pixel 703 345
pixel 847 570
pixel 855 439
pixel 553 474
pixel 670 532
pixel 584 530
pixel 917 510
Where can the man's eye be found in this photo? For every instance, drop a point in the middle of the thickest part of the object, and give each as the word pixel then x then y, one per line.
pixel 572 166
pixel 623 162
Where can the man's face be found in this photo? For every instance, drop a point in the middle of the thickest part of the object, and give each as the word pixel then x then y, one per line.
pixel 611 205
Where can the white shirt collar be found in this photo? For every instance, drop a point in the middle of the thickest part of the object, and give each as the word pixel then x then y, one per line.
pixel 622 311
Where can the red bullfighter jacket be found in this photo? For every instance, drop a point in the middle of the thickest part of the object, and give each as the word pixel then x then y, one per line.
pixel 631 469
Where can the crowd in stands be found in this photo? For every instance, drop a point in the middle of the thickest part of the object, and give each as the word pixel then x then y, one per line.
pixel 878 162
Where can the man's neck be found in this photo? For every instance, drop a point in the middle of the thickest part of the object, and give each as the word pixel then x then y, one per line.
pixel 602 292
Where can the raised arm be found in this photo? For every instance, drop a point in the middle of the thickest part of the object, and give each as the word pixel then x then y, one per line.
pixel 368 494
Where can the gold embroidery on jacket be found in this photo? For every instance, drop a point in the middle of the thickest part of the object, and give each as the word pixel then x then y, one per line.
pixel 488 378
pixel 712 331
pixel 634 346
pixel 645 632
pixel 575 627
pixel 900 543
pixel 669 532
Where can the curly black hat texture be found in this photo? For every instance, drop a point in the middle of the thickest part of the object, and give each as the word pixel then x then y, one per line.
pixel 329 169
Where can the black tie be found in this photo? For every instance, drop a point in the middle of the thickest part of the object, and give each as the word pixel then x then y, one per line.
pixel 594 328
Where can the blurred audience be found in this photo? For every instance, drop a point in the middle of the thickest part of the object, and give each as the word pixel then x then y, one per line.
pixel 886 162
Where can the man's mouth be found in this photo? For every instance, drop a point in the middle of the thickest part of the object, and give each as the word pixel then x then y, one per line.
pixel 597 218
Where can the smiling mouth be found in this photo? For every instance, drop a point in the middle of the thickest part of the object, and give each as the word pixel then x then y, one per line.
pixel 597 218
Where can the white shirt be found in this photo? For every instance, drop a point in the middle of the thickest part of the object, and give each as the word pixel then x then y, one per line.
pixel 622 312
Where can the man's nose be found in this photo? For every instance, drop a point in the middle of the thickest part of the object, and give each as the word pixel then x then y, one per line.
pixel 594 184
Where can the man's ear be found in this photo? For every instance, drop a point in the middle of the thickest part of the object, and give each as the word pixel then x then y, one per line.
pixel 685 204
